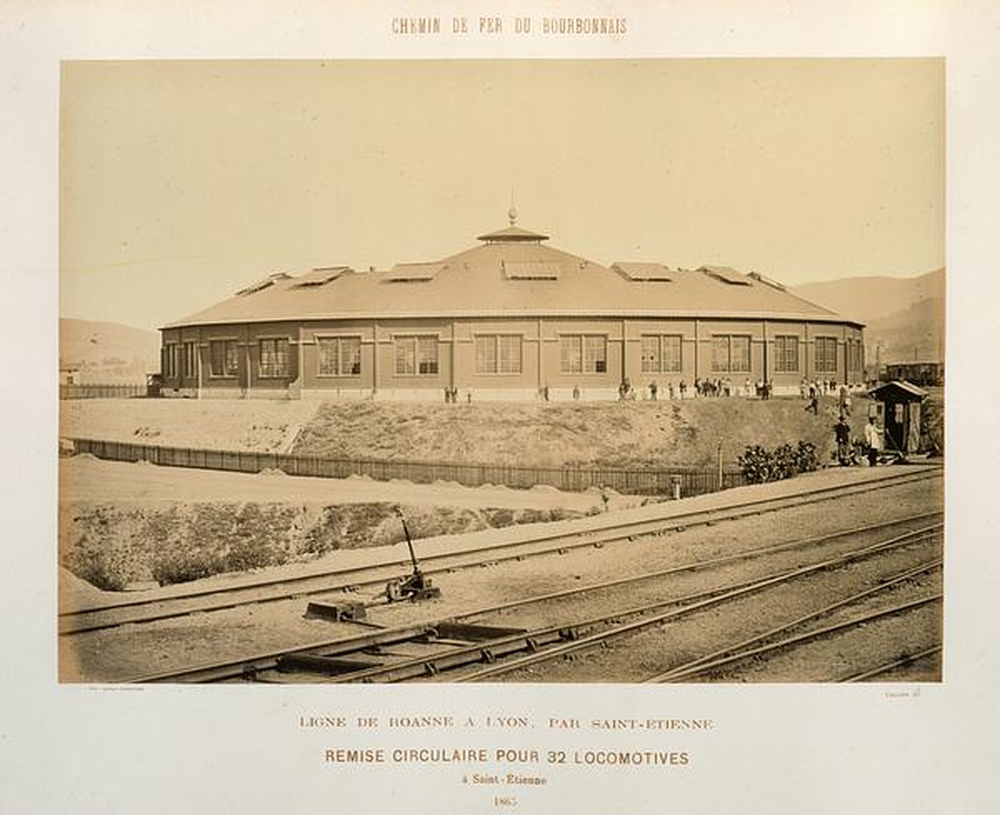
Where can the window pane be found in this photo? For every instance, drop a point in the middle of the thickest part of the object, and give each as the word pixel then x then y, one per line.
pixel 350 356
pixel 232 358
pixel 571 354
pixel 329 356
pixel 826 354
pixel 267 357
pixel 190 359
pixel 509 353
pixel 786 354
pixel 428 348
pixel 406 356
pixel 282 358
pixel 671 353
pixel 650 354
pixel 720 353
pixel 595 359
pixel 739 354
pixel 217 358
pixel 170 361
pixel 486 355
pixel 274 358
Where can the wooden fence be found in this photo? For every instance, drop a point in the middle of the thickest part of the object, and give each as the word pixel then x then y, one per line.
pixel 101 391
pixel 633 481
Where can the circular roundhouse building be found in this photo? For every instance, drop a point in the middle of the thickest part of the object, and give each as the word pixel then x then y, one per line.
pixel 511 318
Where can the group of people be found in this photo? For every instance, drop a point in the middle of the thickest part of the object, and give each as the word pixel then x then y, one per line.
pixel 822 387
pixel 451 396
pixel 813 390
pixel 715 387
pixel 871 444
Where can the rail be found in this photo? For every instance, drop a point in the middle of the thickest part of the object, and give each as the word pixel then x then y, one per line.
pixel 634 481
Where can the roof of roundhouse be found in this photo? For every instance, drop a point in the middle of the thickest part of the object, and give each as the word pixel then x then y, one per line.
pixel 474 283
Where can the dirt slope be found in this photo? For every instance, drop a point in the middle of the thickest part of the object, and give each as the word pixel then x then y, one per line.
pixel 637 434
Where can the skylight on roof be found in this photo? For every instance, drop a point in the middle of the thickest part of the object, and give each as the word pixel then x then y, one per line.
pixel 645 272
pixel 260 285
pixel 767 281
pixel 319 276
pixel 530 270
pixel 414 272
pixel 726 275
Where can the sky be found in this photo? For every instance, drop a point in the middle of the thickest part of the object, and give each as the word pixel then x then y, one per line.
pixel 183 181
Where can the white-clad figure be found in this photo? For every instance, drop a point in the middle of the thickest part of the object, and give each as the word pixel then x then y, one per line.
pixel 873 440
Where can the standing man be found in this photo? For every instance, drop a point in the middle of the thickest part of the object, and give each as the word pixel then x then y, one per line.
pixel 842 433
pixel 845 401
pixel 873 440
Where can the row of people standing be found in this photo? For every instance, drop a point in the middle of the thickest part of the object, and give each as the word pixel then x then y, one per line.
pixel 703 388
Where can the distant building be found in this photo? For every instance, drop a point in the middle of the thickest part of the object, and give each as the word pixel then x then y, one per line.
pixel 69 375
pixel 511 318
pixel 919 373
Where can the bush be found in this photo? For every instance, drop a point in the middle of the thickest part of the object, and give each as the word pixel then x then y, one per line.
pixel 806 457
pixel 111 547
pixel 172 566
pixel 108 564
pixel 760 465
pixel 97 545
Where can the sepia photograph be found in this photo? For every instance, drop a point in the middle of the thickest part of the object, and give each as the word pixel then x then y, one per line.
pixel 499 407
pixel 566 371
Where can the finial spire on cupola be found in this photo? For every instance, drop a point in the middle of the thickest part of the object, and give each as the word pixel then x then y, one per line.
pixel 513 233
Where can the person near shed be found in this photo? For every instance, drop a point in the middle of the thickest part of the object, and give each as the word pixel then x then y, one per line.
pixel 873 441
pixel 842 433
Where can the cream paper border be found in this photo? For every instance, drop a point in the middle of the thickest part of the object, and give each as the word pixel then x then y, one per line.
pixel 776 749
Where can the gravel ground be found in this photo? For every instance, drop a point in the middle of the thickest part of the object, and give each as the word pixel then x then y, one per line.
pixel 85 478
pixel 114 655
pixel 245 424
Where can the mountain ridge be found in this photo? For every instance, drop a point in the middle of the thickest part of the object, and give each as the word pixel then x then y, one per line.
pixel 904 317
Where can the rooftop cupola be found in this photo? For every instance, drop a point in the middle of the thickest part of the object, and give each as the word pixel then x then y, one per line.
pixel 513 233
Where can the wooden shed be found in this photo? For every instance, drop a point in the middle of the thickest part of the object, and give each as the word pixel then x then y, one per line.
pixel 901 413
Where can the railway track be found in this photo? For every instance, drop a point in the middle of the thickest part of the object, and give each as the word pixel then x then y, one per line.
pixel 458 647
pixel 715 600
pixel 884 668
pixel 139 610
pixel 781 638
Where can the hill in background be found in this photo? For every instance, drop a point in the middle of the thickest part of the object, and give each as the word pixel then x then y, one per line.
pixel 904 316
pixel 108 353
